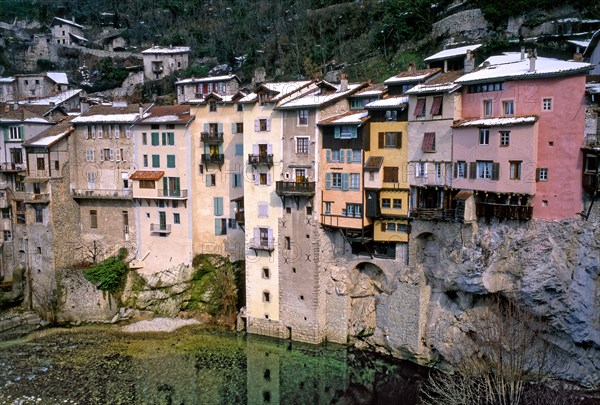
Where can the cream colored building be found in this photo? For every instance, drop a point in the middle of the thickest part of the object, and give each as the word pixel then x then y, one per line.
pixel 218 173
pixel 162 187
pixel 263 207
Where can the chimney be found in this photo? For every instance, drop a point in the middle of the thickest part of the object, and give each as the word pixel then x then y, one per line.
pixel 412 68
pixel 532 55
pixel 141 111
pixel 469 61
pixel 578 57
pixel 344 82
pixel 523 52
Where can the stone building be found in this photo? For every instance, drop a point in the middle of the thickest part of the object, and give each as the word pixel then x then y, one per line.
pixel 67 32
pixel 164 61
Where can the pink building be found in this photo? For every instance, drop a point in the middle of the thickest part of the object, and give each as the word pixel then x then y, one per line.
pixel 517 146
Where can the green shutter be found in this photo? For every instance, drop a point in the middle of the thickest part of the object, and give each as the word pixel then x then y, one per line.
pixel 218 226
pixel 5 134
pixel 345 181
pixel 327 181
pixel 155 140
pixel 177 189
pixel 21 133
pixel 171 138
pixel 165 186
pixel 208 182
pixel 171 161
pixel 155 160
pixel 354 132
pixel 349 155
pixel 164 138
pixel 218 206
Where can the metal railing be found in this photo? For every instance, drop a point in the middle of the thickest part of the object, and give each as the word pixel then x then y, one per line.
pixel 12 167
pixel 160 228
pixel 295 187
pixel 102 193
pixel 211 137
pixel 260 159
pixel 213 158
pixel 262 244
pixel 37 198
pixel 172 193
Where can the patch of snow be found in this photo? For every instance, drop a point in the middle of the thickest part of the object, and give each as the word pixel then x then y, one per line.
pixel 498 122
pixel 450 53
pixel 388 102
pixel 106 118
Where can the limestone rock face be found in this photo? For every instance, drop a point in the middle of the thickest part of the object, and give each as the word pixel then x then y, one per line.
pixel 549 267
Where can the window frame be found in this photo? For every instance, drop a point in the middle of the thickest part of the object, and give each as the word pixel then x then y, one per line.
pixel 484 169
pixel 302 118
pixel 488 105
pixel 550 103
pixel 514 172
pixel 504 138
pixel 508 105
pixel 484 136
pixel 302 145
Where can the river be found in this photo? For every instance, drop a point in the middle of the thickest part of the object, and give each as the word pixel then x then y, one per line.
pixel 195 365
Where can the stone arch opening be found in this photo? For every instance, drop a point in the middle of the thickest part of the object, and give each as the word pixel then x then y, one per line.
pixel 369 282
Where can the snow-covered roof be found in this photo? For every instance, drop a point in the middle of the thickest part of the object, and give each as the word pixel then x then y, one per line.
pixel 7 79
pixel 451 53
pixel 388 102
pixel 350 118
pixel 209 79
pixel 369 93
pixel 433 88
pixel 592 88
pixel 315 100
pixel 174 114
pixel 574 19
pixel 582 43
pixel 167 49
pixel 56 100
pixel 411 76
pixel 58 77
pixel 283 89
pixel 520 70
pixel 69 22
pixel 78 37
pixel 126 118
pixel 49 140
pixel 31 120
pixel 496 122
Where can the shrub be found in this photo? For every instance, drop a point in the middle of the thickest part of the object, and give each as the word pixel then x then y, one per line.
pixel 108 275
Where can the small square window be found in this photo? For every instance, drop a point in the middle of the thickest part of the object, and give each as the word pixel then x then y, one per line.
pixel 302 117
pixel 266 273
pixel 266 296
pixel 176 218
pixel 504 138
pixel 547 104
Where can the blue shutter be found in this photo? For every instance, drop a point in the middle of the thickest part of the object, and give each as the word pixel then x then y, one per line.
pixel 268 179
pixel 218 230
pixel 270 236
pixel 206 127
pixel 344 181
pixel 219 127
pixel 341 155
pixel 268 124
pixel 327 181
pixel 233 127
pixel 218 206
pixel 328 155
pixel 256 236
pixel 21 133
pixel 239 149
pixel 208 180
pixel 349 155
pixel 354 132
pixel 336 132
pixel 5 133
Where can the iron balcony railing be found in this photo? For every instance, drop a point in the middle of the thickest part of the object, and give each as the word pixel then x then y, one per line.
pixel 262 244
pixel 213 158
pixel 211 137
pixel 260 159
pixel 12 167
pixel 295 188
pixel 126 194
pixel 160 228
pixel 172 193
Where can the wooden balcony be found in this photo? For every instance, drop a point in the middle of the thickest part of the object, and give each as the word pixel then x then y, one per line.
pixel 211 138
pixel 504 211
pixel 295 188
pixel 12 167
pixel 260 160
pixel 435 214
pixel 100 194
pixel 217 159
pixel 160 228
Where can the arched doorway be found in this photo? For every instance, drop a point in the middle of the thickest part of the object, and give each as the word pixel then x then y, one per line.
pixel 369 282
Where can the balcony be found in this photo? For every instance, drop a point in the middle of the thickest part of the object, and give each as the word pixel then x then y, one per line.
pixel 261 160
pixel 504 211
pixel 435 214
pixel 217 158
pixel 33 198
pixel 175 194
pixel 591 182
pixel 211 138
pixel 100 194
pixel 12 167
pixel 262 244
pixel 295 188
pixel 240 217
pixel 592 141
pixel 160 228
pixel 157 67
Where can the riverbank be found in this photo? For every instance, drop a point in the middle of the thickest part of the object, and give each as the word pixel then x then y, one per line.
pixel 158 325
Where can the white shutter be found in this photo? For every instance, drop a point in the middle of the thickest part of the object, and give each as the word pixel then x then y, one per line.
pixel 128 132
pixel 102 155
pixel 111 154
pixel 99 130
pixel 268 124
pixel 93 132
pixel 123 157
pixel 256 125
pixel 118 155
pixel 117 131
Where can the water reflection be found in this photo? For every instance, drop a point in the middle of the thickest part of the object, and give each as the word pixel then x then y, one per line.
pixel 196 366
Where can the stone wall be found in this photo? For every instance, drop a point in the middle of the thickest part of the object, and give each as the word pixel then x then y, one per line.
pixel 464 25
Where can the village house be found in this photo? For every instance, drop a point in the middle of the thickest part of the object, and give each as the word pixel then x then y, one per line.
pixel 162 61
pixel 162 188
pixel 460 58
pixel 67 32
pixel 32 86
pixel 195 90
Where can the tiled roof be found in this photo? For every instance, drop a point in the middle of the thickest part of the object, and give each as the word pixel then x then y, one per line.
pixel 147 175
pixel 52 135
pixel 374 163
pixel 22 115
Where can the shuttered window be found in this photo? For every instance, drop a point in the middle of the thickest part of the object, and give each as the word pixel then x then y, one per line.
pixel 218 206
pixel 436 107
pixel 390 174
pixel 420 108
pixel 428 142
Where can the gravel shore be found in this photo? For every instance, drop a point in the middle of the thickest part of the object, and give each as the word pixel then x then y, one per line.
pixel 158 325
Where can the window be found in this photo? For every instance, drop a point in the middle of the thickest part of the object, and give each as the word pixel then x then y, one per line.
pixel 14 133
pixel 508 107
pixel 239 149
pixel 515 170
pixel 420 169
pixel 336 180
pixel 93 219
pixel 231 223
pixel 266 296
pixel 145 160
pixel 504 138
pixel 436 106
pixel 211 180
pixel 218 206
pixel 287 243
pixel 220 226
pixel 347 132
pixel 176 218
pixel 327 208
pixel 397 203
pixel 155 139
pixel 354 181
pixel 484 136
pixel 428 144
pixel 106 154
pixel 390 140
pixel 155 160
pixel 390 174
pixel 149 184
pixel 420 108
pixel 263 179
pixel 240 107
pixel 40 163
pixel 484 170
pixel 39 214
pixel 7 236
pixel 239 128
pixel 460 169
pixel 212 106
pixel 236 180
pixel 336 155
pixel 438 170
pixel 303 117
pixel 168 138
pixel 482 88
pixel 262 125
pixel 356 155
pixel 391 115
pixel 266 273
pixel 353 211
pixel 89 154
pixel 542 174
pixel 386 203
pixel 171 161
pixel 487 108
pixel 547 104
pixel 302 145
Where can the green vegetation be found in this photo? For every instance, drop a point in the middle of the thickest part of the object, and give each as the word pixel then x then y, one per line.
pixel 108 275
pixel 111 75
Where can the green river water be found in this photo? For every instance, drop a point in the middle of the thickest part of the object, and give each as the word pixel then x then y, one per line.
pixel 194 365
